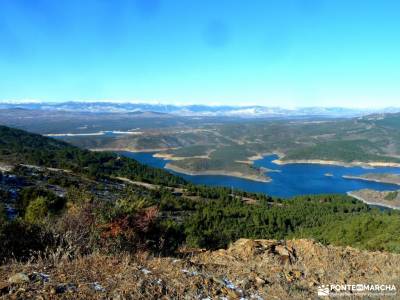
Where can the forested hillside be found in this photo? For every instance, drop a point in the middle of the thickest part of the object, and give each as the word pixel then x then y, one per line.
pixel 21 147
pixel 77 192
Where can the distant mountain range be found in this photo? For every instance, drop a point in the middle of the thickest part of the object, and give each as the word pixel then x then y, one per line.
pixel 251 111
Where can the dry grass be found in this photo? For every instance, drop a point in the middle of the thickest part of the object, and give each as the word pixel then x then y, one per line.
pixel 261 268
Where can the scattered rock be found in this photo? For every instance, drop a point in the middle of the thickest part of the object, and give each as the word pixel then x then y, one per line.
pixel 98 287
pixel 145 271
pixel 221 274
pixel 41 277
pixel 259 281
pixel 256 297
pixel 190 273
pixel 19 278
pixel 286 253
pixel 229 284
pixel 247 249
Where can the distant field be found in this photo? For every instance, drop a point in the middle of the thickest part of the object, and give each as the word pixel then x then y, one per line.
pixel 227 145
pixel 196 150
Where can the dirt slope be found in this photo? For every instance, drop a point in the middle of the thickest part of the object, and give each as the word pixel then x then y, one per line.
pixel 249 269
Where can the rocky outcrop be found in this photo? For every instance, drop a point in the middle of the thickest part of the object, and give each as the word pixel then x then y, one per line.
pixel 295 268
pixel 248 269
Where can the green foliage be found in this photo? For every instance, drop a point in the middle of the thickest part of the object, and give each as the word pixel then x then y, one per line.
pixel 48 199
pixel 346 151
pixel 217 223
pixel 79 196
pixel 220 164
pixel 20 240
pixel 37 210
pixel 195 150
pixel 372 231
pixel 134 218
pixel 123 207
pixel 231 153
pixel 392 121
pixel 372 138
pixel 169 234
pixel 169 202
pixel 128 206
pixel 22 147
pixel 223 193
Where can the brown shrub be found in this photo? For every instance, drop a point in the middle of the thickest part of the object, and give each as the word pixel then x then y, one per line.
pixel 129 232
pixel 75 230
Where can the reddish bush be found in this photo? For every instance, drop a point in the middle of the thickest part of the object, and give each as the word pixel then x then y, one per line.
pixel 129 232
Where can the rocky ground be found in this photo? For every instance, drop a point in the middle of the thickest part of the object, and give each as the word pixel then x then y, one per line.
pixel 249 269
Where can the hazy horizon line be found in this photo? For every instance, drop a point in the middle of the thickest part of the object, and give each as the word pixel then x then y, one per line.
pixel 213 104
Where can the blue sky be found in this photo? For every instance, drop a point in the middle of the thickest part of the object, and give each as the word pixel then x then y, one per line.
pixel 270 52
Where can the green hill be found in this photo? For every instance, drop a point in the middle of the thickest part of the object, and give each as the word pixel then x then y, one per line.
pixel 77 205
pixel 21 147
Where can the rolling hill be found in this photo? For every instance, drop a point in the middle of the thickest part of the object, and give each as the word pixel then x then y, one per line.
pixel 21 147
pixel 71 219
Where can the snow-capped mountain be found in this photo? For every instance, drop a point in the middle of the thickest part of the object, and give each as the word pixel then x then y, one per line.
pixel 252 111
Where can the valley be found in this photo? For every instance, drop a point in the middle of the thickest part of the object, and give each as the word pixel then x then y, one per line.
pixel 205 150
pixel 225 148
pixel 287 180
pixel 347 142
pixel 65 208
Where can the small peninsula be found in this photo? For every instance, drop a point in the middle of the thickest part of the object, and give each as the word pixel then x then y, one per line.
pixel 244 173
pixel 382 178
pixel 389 199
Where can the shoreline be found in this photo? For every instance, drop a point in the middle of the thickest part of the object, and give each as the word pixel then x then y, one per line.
pixel 370 202
pixel 369 179
pixel 98 133
pixel 366 165
pixel 250 160
pixel 130 149
pixel 167 156
pixel 171 167
pixel 168 166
